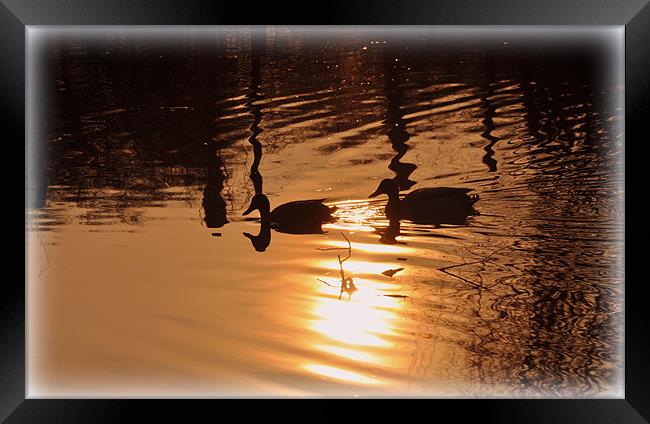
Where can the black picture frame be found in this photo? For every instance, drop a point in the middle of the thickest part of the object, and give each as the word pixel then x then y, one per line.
pixel 15 15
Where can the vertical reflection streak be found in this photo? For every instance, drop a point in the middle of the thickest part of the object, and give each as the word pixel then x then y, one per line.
pixel 214 205
pixel 258 43
pixel 262 240
pixel 489 111
pixel 395 124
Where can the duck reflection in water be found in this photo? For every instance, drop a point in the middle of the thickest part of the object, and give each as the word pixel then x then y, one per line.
pixel 390 234
pixel 263 238
pixel 431 205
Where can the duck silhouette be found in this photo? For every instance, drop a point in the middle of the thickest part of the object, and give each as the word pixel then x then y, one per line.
pixel 430 205
pixel 298 217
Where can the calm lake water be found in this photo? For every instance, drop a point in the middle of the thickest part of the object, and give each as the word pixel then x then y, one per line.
pixel 150 147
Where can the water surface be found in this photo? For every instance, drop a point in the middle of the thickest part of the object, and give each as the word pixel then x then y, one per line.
pixel 142 282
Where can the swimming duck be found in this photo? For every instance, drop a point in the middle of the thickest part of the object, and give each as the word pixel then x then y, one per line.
pixel 430 205
pixel 299 217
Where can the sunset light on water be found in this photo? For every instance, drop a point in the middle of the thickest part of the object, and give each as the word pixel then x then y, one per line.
pixel 282 212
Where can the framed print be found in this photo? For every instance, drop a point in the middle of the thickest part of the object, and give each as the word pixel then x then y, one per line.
pixel 415 202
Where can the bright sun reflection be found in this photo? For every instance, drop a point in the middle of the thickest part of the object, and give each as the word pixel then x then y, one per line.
pixel 369 247
pixel 365 320
pixel 354 354
pixel 355 216
pixel 349 227
pixel 340 374
pixel 361 327
pixel 358 267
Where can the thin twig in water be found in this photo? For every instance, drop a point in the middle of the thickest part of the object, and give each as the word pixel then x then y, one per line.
pixel 325 282
pixel 349 248
pixel 474 262
pixel 347 285
pixel 483 260
pixel 478 286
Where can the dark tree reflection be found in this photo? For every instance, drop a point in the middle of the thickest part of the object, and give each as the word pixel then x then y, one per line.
pixel 394 122
pixel 489 112
pixel 262 240
pixel 258 43
pixel 214 205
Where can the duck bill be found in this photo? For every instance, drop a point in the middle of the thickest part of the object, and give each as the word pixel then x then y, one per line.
pixel 375 193
pixel 249 210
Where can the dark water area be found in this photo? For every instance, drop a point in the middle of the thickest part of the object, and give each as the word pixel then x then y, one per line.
pixel 149 148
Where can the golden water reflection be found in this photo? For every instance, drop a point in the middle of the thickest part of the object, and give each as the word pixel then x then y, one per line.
pixel 339 374
pixel 369 247
pixel 357 330
pixel 133 199
pixel 364 320
pixel 356 215
pixel 359 267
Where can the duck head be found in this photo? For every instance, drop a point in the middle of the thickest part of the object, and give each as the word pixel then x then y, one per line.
pixel 388 187
pixel 261 203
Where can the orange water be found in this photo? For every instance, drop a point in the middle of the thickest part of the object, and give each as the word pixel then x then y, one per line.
pixel 130 294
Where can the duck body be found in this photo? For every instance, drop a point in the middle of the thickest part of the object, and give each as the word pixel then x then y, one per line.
pixel 298 217
pixel 302 211
pixel 431 205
